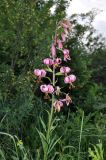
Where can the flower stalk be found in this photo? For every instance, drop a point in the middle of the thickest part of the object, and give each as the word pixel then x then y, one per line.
pixel 51 112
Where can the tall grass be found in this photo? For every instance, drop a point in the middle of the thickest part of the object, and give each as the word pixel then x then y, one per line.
pixel 72 138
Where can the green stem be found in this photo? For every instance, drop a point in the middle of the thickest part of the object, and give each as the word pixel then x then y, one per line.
pixel 82 121
pixel 50 116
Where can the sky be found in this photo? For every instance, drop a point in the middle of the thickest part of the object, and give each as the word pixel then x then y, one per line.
pixel 83 6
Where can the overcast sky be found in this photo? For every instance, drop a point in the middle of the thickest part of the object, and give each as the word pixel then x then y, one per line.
pixel 83 6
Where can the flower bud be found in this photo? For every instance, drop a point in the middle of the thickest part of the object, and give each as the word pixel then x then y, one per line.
pixel 60 46
pixel 63 36
pixel 53 50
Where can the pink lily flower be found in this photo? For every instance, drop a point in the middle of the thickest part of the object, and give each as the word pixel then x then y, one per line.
pixel 66 55
pixel 50 88
pixel 68 100
pixel 47 88
pixel 48 61
pixel 70 79
pixel 40 73
pixel 67 80
pixel 57 62
pixel 57 105
pixel 65 70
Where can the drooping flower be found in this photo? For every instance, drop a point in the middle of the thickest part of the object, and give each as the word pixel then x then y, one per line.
pixel 44 88
pixel 50 88
pixel 66 55
pixel 63 36
pixel 67 80
pixel 68 100
pixel 70 79
pixel 57 105
pixel 48 61
pixel 57 62
pixel 47 88
pixel 65 70
pixel 40 73
pixel 53 50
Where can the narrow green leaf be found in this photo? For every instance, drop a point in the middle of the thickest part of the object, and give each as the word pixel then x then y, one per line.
pixel 43 140
pixel 49 70
pixel 50 149
pixel 43 124
pixel 58 74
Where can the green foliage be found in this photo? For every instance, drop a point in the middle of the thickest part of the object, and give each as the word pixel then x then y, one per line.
pixel 97 154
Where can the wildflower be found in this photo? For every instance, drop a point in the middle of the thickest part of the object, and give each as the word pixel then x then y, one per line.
pixel 53 50
pixel 19 143
pixel 67 80
pixel 48 61
pixel 66 55
pixel 65 70
pixel 57 62
pixel 70 79
pixel 57 105
pixel 40 73
pixel 47 88
pixel 50 89
pixel 68 100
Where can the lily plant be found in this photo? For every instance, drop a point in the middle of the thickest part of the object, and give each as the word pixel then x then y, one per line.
pixel 52 91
